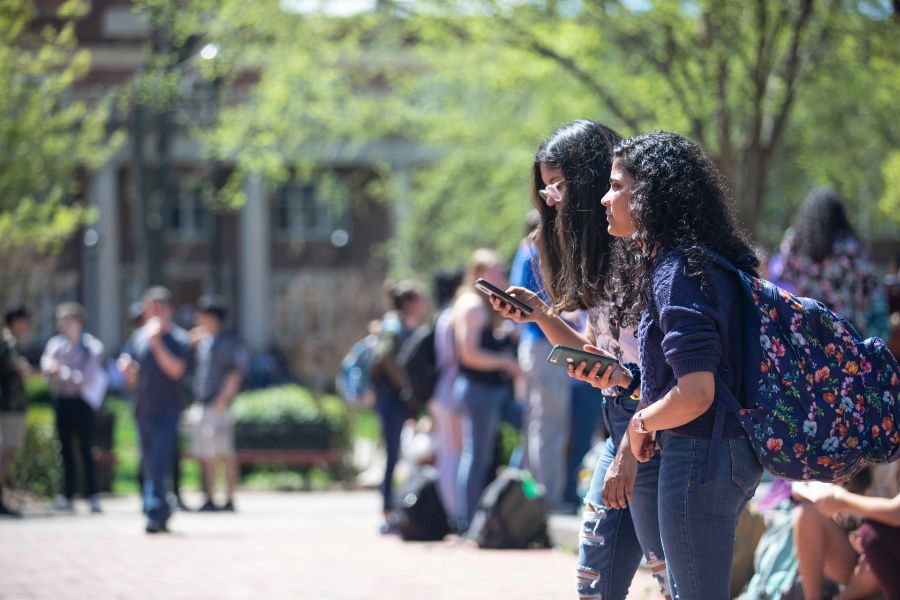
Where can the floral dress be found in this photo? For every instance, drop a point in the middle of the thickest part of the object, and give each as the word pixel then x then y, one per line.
pixel 844 281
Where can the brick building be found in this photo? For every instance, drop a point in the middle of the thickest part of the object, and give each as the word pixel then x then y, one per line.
pixel 302 276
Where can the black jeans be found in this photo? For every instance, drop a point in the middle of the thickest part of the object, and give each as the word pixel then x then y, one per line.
pixel 74 418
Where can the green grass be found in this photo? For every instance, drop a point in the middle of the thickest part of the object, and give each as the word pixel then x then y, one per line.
pixel 365 424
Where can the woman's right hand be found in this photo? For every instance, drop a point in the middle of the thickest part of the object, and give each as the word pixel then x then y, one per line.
pixel 513 369
pixel 612 376
pixel 514 314
pixel 618 484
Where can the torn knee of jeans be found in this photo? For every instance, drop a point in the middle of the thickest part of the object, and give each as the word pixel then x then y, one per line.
pixel 588 583
pixel 658 569
pixel 592 518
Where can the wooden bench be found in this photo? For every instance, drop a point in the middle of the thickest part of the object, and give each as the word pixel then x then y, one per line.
pixel 291 458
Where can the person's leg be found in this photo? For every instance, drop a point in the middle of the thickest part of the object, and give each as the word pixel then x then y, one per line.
pixel 393 415
pixel 65 428
pixel 12 438
pixel 881 544
pixel 159 459
pixel 698 519
pixel 84 425
pixel 483 404
pixel 448 426
pixel 549 392
pixel 823 550
pixel 585 416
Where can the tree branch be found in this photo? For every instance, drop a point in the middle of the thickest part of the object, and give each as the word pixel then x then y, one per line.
pixel 792 68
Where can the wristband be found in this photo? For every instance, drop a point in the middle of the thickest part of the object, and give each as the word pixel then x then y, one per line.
pixel 637 423
pixel 634 389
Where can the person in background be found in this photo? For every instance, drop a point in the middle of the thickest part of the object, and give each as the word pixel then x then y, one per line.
pixel 13 401
pixel 155 363
pixel 447 416
pixel 220 363
pixel 852 538
pixel 821 257
pixel 409 309
pixel 548 392
pixel 73 363
pixel 484 385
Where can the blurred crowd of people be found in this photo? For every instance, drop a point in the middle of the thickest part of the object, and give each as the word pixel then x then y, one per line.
pixel 159 361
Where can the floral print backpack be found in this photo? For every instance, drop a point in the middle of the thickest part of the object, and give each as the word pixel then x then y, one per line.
pixel 822 402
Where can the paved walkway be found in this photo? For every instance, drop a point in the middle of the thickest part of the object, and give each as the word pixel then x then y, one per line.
pixel 297 546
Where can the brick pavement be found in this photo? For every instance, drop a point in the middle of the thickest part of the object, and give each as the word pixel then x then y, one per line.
pixel 280 546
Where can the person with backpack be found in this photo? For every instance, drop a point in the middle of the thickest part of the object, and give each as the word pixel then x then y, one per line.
pixel 484 386
pixel 72 361
pixel 570 174
pixel 409 307
pixel 667 203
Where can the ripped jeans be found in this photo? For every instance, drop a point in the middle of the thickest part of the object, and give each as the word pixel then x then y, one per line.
pixel 610 544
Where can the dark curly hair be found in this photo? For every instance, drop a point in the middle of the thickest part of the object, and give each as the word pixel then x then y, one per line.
pixel 820 223
pixel 572 242
pixel 678 203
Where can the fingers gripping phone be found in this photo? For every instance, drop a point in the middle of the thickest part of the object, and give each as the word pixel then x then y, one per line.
pixel 492 290
pixel 563 356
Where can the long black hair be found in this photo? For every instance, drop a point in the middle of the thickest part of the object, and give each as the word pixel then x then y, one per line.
pixel 572 242
pixel 678 202
pixel 820 223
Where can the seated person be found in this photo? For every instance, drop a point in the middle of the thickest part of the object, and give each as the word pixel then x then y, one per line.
pixel 832 539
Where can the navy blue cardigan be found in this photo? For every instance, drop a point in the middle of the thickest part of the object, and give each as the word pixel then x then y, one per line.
pixel 683 331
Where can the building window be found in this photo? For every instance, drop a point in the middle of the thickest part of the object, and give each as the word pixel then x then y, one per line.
pixel 302 213
pixel 188 216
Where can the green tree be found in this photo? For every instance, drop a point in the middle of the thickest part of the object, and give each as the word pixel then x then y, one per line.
pixel 46 138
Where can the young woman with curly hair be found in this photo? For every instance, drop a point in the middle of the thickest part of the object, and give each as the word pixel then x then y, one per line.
pixel 570 175
pixel 666 200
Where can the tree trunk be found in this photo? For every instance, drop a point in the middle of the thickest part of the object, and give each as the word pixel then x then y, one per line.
pixel 750 187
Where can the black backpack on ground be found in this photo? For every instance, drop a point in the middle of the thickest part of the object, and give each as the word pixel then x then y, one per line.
pixel 418 358
pixel 419 514
pixel 512 513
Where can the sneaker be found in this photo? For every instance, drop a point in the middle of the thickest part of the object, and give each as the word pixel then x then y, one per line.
pixel 63 503
pixel 94 503
pixel 209 506
pixel 6 511
pixel 229 507
pixel 156 527
pixel 388 529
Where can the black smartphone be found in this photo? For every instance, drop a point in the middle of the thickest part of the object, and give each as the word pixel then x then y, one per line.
pixel 492 290
pixel 563 356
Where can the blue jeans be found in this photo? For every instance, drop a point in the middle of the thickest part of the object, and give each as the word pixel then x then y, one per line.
pixel 393 414
pixel 587 412
pixel 611 541
pixel 698 518
pixel 158 436
pixel 484 406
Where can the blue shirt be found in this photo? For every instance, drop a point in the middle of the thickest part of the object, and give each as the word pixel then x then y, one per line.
pixel 157 395
pixel 684 332
pixel 525 273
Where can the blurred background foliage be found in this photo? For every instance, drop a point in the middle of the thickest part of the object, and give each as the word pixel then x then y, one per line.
pixel 785 94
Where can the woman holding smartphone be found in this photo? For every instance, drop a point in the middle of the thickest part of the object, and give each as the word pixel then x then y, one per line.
pixel 571 174
pixel 667 201
pixel 484 386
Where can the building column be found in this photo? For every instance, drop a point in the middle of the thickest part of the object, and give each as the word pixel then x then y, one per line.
pixel 103 287
pixel 255 289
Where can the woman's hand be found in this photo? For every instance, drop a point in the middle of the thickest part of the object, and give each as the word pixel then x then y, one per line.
pixel 643 447
pixel 833 503
pixel 619 482
pixel 513 369
pixel 612 376
pixel 514 314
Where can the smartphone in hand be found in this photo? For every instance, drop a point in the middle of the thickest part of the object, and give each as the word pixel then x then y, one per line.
pixel 563 356
pixel 492 290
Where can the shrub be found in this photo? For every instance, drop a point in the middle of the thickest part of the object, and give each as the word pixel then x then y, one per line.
pixel 37 469
pixel 289 418
pixel 37 389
